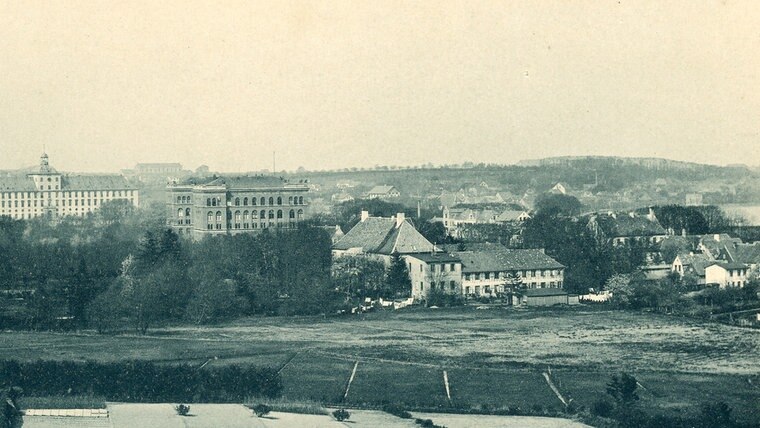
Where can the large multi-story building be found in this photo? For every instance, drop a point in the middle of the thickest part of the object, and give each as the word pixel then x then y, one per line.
pixel 235 204
pixel 47 192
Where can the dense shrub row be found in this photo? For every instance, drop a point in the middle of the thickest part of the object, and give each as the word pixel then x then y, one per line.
pixel 140 381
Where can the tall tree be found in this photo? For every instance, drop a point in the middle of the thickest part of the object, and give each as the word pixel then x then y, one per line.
pixel 398 283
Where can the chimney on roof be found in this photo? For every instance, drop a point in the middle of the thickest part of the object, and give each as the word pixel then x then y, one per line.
pixel 399 219
pixel 716 237
pixel 364 215
pixel 632 214
pixel 683 232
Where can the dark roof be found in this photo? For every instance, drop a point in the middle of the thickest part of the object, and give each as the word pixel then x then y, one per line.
pixel 437 257
pixel 728 265
pixel 496 258
pixel 381 190
pixel 744 253
pixel 698 262
pixel 95 182
pixel 545 292
pixel 715 245
pixel 17 183
pixel 380 235
pixel 623 225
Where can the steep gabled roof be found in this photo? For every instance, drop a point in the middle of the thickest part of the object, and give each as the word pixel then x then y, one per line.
pixel 380 235
pixel 743 253
pixel 697 262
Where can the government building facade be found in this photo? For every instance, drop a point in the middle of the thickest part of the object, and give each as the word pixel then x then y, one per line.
pixel 46 192
pixel 199 207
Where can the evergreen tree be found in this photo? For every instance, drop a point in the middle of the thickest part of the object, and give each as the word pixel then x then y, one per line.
pixel 397 281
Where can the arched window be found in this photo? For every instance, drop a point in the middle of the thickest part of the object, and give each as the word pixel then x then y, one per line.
pixel 208 202
pixel 279 200
pixel 279 213
pixel 187 212
pixel 271 214
pixel 292 214
pixel 213 202
pixel 210 217
pixel 253 201
pixel 300 215
pixel 237 202
pixel 262 201
pixel 263 214
pixel 237 216
pixel 300 200
pixel 271 200
pixel 180 213
pixel 245 215
pixel 179 199
pixel 245 202
pixel 290 200
pixel 219 216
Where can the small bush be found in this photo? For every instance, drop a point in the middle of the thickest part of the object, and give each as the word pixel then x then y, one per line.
pixel 427 423
pixel 261 409
pixel 602 408
pixel 341 415
pixel 397 410
pixel 182 409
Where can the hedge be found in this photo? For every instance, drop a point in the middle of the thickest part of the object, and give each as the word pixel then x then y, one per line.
pixel 141 381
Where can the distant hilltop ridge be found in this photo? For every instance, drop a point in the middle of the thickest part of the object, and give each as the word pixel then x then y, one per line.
pixel 656 163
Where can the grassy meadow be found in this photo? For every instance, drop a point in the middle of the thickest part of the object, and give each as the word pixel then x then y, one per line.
pixel 494 358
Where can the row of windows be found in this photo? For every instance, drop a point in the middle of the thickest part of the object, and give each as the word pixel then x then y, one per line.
pixel 213 202
pixel 262 225
pixel 72 202
pixel 292 214
pixel 500 288
pixel 58 212
pixel 441 286
pixel 502 275
pixel 77 194
pixel 49 179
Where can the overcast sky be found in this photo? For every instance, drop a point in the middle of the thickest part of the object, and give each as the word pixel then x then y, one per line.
pixel 332 84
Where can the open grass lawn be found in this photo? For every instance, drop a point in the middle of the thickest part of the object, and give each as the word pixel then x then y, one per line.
pixel 384 382
pixel 484 388
pixel 493 357
pixel 316 377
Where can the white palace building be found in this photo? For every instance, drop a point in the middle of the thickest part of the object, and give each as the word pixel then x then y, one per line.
pixel 47 192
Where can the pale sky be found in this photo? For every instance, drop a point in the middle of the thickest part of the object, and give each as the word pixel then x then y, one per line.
pixel 104 85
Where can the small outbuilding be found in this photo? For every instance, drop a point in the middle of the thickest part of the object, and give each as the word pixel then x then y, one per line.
pixel 547 297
